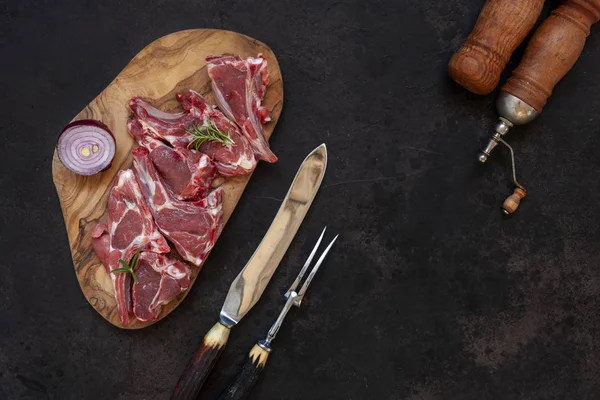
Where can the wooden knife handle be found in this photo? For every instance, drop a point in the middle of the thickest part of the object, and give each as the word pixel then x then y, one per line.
pixel 240 387
pixel 552 51
pixel 202 362
pixel 501 27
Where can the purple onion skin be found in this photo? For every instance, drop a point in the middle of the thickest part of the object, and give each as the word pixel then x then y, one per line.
pixel 88 122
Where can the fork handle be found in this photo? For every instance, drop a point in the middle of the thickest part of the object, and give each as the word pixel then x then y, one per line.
pixel 248 375
pixel 202 362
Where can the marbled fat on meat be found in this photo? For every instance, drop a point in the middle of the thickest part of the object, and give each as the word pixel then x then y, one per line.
pixel 239 87
pixel 230 160
pixel 161 279
pixel 130 228
pixel 163 125
pixel 193 227
pixel 186 172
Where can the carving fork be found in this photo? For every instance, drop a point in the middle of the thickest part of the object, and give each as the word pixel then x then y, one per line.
pixel 249 373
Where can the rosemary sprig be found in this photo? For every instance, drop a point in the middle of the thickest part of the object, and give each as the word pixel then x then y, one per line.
pixel 129 268
pixel 210 132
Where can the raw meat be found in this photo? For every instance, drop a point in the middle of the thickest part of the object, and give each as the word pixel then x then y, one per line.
pixel 161 279
pixel 101 243
pixel 131 228
pixel 193 227
pixel 186 172
pixel 239 87
pixel 236 159
pixel 162 125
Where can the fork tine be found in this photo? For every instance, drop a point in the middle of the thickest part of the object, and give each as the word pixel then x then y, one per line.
pixel 306 265
pixel 312 273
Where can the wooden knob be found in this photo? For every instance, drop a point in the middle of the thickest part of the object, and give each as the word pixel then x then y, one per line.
pixel 501 27
pixel 552 51
pixel 512 202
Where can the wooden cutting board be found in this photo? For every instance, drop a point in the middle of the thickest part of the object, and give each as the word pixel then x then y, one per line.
pixel 172 64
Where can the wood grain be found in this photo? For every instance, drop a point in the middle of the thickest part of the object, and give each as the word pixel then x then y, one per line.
pixel 241 386
pixel 202 362
pixel 502 25
pixel 552 51
pixel 171 64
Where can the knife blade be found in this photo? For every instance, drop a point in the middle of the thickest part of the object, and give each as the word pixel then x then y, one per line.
pixel 251 282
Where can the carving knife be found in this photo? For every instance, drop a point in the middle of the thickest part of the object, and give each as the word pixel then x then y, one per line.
pixel 250 284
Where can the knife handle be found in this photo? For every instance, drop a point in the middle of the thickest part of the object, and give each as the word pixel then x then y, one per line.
pixel 248 375
pixel 202 362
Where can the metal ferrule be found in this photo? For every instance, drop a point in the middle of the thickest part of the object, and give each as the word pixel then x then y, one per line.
pixel 226 320
pixel 266 343
pixel 512 111
pixel 502 128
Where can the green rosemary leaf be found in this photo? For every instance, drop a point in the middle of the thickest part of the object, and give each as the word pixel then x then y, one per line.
pixel 210 132
pixel 134 259
pixel 135 278
pixel 129 268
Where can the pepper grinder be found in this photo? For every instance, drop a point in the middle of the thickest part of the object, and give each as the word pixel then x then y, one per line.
pixel 500 28
pixel 552 51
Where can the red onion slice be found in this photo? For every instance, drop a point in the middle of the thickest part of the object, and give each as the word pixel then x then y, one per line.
pixel 86 147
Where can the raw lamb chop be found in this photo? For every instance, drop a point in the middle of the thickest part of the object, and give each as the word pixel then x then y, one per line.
pixel 101 243
pixel 239 87
pixel 236 159
pixel 161 279
pixel 130 228
pixel 162 125
pixel 186 172
pixel 193 227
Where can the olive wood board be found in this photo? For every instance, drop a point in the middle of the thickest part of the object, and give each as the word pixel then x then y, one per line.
pixel 172 64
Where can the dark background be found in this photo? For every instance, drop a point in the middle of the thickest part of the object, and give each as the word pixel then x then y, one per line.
pixel 431 292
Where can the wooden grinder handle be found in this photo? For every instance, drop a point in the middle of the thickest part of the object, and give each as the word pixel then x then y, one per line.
pixel 552 51
pixel 512 202
pixel 502 25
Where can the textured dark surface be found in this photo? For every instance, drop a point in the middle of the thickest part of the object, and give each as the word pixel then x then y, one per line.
pixel 430 293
